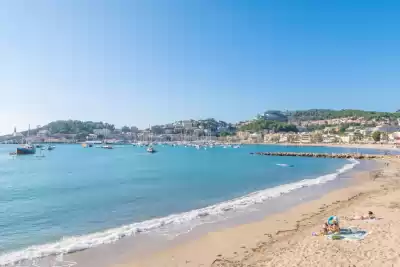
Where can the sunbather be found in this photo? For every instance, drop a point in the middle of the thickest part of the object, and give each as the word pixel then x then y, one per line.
pixel 369 216
pixel 334 228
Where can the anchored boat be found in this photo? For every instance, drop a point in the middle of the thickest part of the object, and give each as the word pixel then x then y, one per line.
pixel 26 150
pixel 151 150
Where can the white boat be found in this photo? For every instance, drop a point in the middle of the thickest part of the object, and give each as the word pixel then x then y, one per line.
pixel 284 165
pixel 150 149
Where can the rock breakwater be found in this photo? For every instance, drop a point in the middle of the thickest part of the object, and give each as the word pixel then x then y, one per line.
pixel 321 155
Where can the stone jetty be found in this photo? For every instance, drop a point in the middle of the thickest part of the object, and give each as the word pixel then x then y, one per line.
pixel 321 155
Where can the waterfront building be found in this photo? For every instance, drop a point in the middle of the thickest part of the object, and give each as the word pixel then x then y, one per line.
pixel 305 138
pixel 43 133
pixel 104 132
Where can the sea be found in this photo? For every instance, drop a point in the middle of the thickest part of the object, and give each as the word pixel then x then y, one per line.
pixel 73 198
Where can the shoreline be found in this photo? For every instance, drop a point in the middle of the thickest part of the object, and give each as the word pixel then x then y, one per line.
pixel 147 245
pixel 247 243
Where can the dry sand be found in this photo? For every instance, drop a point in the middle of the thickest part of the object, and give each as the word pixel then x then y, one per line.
pixel 285 239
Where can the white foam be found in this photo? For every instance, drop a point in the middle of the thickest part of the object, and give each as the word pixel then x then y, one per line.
pixel 78 243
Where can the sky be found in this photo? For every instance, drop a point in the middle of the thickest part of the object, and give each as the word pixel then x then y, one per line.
pixel 147 62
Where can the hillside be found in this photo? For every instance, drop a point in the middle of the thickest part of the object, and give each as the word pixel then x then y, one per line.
pixel 76 127
pixel 261 124
pixel 325 114
pixel 71 127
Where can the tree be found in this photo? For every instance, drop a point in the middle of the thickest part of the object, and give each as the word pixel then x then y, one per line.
pixel 276 126
pixel 324 114
pixel 376 136
pixel 225 134
pixel 76 127
pixel 342 129
pixel 125 129
pixel 384 136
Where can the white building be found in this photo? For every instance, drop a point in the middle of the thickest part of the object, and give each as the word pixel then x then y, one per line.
pixel 256 137
pixel 395 138
pixel 187 124
pixel 387 128
pixel 367 131
pixel 43 133
pixel 104 132
pixel 168 131
pixel 198 132
pixel 345 139
pixel 91 137
pixel 283 138
pixel 305 138
pixel 329 138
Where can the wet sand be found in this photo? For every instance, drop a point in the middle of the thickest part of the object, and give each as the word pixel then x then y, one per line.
pixel 285 239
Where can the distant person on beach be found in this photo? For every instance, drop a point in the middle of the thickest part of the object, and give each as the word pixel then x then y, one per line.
pixel 369 216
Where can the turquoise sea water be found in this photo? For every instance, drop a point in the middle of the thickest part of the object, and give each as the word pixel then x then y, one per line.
pixel 75 191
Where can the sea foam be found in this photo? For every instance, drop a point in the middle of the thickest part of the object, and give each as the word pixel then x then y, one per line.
pixel 78 243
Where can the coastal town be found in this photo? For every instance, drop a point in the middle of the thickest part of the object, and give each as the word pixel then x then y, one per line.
pixel 300 127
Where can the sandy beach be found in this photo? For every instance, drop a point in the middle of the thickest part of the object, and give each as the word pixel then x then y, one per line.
pixel 285 239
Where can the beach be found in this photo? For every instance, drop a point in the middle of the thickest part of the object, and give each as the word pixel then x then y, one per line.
pixel 256 202
pixel 285 239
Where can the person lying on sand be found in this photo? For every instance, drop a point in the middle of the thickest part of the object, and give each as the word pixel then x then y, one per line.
pixel 369 216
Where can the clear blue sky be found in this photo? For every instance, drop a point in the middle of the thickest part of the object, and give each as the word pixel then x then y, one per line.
pixel 145 62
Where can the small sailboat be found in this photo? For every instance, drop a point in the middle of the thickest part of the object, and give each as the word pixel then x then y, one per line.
pixel 107 147
pixel 51 148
